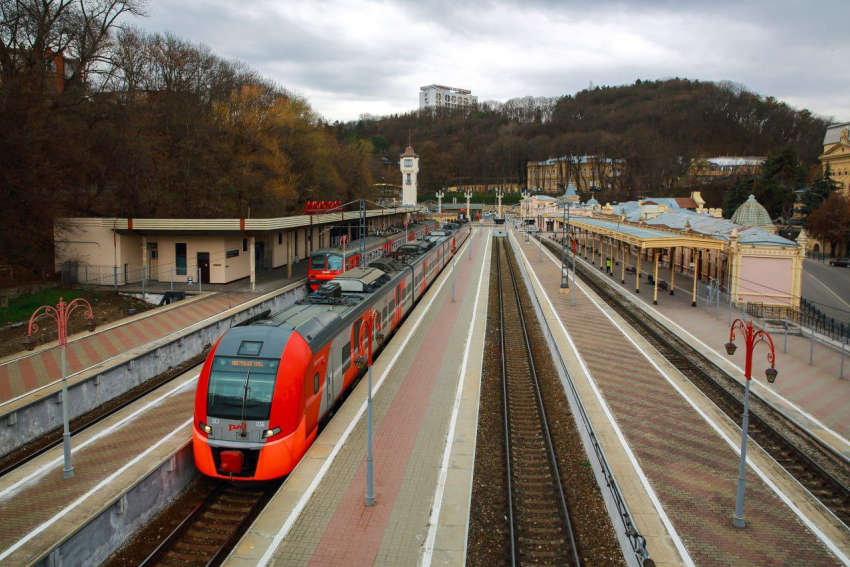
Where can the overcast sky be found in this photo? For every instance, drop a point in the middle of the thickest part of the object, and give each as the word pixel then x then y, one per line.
pixel 350 57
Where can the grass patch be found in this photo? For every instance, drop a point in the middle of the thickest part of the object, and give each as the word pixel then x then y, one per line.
pixel 21 308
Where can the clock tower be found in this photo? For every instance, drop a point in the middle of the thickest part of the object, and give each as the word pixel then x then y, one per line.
pixel 409 164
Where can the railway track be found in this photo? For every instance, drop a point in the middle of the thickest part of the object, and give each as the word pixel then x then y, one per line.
pixel 540 528
pixel 211 530
pixel 802 456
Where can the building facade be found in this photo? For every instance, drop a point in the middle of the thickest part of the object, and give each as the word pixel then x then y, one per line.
pixel 584 172
pixel 836 153
pixel 123 251
pixel 710 169
pixel 409 165
pixel 439 96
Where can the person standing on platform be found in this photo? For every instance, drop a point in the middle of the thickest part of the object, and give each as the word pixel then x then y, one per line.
pixel 608 265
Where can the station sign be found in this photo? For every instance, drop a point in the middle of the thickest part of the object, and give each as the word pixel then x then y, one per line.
pixel 320 206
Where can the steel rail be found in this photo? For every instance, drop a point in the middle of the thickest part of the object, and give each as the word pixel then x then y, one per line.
pixel 237 527
pixel 505 410
pixel 555 472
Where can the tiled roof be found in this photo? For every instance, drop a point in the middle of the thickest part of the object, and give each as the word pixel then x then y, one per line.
pixel 719 228
pixel 751 213
pixel 571 190
pixel 727 161
pixel 833 133
pixel 686 202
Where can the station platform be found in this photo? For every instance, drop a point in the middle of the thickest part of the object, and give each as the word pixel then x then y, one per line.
pixel 814 395
pixel 28 372
pixel 673 453
pixel 425 391
pixel 41 509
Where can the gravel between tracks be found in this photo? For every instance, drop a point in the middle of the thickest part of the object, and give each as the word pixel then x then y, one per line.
pixel 488 532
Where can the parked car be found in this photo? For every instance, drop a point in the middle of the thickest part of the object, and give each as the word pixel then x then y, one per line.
pixel 840 262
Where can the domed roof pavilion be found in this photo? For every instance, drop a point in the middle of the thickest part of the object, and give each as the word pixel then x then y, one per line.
pixel 753 214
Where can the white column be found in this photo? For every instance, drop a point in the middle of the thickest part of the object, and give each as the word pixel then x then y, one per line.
pixel 252 262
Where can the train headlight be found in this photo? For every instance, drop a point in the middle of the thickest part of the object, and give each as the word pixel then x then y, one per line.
pixel 271 432
pixel 205 427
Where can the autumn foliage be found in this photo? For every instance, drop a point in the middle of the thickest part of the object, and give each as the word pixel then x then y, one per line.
pixel 147 125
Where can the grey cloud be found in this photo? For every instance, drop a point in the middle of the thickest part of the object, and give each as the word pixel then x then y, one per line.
pixel 784 49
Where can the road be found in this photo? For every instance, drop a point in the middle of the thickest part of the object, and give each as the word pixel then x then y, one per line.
pixel 829 286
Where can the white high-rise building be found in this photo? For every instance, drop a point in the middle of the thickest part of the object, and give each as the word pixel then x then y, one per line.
pixel 409 164
pixel 439 96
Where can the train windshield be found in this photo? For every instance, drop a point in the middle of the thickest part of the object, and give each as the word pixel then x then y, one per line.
pixel 334 262
pixel 241 388
pixel 317 262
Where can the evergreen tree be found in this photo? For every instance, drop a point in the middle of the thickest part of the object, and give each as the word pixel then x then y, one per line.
pixel 737 194
pixel 781 174
pixel 818 193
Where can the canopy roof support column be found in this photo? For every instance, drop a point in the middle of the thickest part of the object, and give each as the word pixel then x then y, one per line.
pixel 289 254
pixel 672 270
pixel 696 258
pixel 624 263
pixel 252 262
pixel 637 271
pixel 655 276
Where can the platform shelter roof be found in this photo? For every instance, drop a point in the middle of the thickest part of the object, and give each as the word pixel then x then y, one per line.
pixel 645 237
pixel 235 226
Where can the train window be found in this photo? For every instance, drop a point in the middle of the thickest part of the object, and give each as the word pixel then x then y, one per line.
pixel 316 383
pixel 249 348
pixel 355 335
pixel 240 388
pixel 334 262
pixel 346 357
pixel 317 262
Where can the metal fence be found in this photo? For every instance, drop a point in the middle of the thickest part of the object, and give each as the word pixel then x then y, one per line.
pixel 807 316
pixel 140 278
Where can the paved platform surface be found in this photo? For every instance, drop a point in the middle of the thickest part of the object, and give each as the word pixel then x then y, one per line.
pixel 27 372
pixel 425 418
pixel 40 508
pixel 674 454
pixel 813 394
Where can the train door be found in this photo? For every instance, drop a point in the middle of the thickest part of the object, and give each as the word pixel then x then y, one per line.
pixel 399 293
pixel 330 379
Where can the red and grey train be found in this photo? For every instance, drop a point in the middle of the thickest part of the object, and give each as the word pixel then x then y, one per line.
pixel 265 387
pixel 327 263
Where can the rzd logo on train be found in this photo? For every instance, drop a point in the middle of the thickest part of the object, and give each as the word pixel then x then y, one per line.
pixel 232 427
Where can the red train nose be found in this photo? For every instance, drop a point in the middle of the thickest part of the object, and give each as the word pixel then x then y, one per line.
pixel 231 462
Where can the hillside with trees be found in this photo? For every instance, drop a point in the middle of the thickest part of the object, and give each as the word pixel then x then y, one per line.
pixel 657 126
pixel 101 119
pixel 98 118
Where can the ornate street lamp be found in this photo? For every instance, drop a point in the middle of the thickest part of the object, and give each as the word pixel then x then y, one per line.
pixel 61 314
pixel 367 327
pixel 752 337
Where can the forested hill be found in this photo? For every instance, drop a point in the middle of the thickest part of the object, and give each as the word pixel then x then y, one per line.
pixel 658 126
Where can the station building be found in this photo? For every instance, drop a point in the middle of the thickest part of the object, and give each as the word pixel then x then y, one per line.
pixel 122 251
pixel 742 255
pixel 584 172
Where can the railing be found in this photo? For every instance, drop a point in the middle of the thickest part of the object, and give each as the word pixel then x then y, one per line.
pixel 807 316
pixel 142 277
